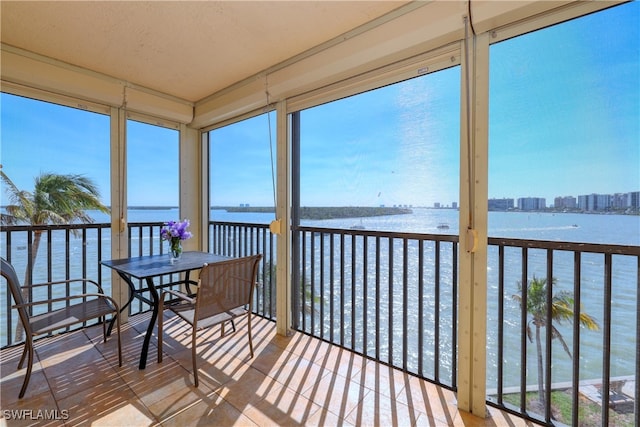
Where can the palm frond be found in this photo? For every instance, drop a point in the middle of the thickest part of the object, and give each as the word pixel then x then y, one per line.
pixel 555 334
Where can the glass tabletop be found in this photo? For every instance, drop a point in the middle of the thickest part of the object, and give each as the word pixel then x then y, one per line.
pixel 159 265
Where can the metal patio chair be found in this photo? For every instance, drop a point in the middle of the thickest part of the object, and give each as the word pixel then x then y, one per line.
pixel 90 306
pixel 225 292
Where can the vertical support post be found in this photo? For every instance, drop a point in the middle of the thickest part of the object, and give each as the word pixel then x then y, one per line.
pixel 119 239
pixel 191 179
pixel 283 214
pixel 472 302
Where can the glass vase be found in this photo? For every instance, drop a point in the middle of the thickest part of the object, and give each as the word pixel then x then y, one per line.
pixel 175 251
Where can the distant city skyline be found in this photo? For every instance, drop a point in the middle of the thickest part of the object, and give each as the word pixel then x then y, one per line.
pixel 589 202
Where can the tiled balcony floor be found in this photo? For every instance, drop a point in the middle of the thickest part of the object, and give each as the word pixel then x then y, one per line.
pixel 291 381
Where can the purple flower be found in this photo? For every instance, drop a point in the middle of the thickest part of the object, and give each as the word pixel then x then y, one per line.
pixel 175 230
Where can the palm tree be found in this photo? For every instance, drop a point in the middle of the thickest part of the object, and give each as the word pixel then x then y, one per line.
pixel 562 309
pixel 56 199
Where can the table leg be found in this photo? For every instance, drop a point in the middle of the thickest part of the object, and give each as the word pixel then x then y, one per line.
pixel 132 292
pixel 152 323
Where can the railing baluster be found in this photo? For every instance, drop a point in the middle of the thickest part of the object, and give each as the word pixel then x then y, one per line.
pixel 500 356
pixel 322 286
pixel 331 287
pixel 606 340
pixel 365 294
pixel 353 292
pixel 454 315
pixel 549 335
pixel 636 398
pixel 377 297
pixel 301 283
pixel 342 297
pixel 575 383
pixel 405 302
pixel 421 307
pixel 523 333
pixel 390 302
pixel 436 304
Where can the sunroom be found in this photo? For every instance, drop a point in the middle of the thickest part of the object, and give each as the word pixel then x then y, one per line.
pixel 361 147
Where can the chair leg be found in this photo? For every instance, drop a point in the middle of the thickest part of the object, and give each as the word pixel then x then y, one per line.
pixel 250 340
pixel 119 340
pixel 24 353
pixel 160 324
pixel 28 345
pixel 193 356
pixel 103 320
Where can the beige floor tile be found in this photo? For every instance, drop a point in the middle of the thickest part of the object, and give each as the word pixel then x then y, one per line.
pixel 299 374
pixel 435 402
pixel 99 401
pixel 130 414
pixel 380 410
pixel 270 359
pixel 87 375
pixel 182 399
pixel 11 383
pixel 341 361
pixel 282 408
pixel 337 394
pixel 30 410
pixel 324 417
pixel 160 381
pixel 249 388
pixel 212 410
pixel 495 418
pixel 381 379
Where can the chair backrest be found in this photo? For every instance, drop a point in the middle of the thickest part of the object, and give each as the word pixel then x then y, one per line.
pixel 9 273
pixel 226 285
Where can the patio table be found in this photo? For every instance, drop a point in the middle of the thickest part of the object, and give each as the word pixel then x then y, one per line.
pixel 152 266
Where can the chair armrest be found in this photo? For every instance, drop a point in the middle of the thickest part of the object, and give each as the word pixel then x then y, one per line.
pixel 70 297
pixel 60 282
pixel 180 295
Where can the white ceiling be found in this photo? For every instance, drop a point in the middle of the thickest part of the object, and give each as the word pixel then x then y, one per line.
pixel 188 49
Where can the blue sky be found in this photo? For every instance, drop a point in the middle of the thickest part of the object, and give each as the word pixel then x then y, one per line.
pixel 564 109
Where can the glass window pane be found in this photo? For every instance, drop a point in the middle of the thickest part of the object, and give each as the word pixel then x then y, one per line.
pixel 564 133
pixel 40 137
pixel 394 147
pixel 152 172
pixel 241 176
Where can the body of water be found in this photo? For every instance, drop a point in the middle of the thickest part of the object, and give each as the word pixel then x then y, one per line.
pixel 568 227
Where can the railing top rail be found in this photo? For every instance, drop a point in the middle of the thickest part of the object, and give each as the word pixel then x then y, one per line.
pixel 28 227
pixel 601 248
pixel 244 224
pixel 385 234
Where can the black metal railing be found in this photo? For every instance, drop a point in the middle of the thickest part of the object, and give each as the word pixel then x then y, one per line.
pixel 241 239
pixel 389 296
pixel 392 297
pixel 63 252
pixel 604 283
pixel 69 251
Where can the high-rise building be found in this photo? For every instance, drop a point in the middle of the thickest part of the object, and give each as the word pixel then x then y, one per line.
pixel 620 201
pixel 565 202
pixel 531 203
pixel 500 204
pixel 594 202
